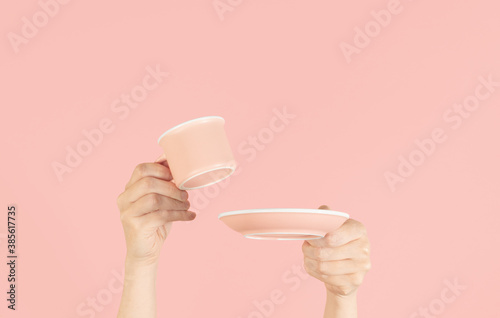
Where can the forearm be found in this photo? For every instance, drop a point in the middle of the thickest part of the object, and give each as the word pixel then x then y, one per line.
pixel 340 306
pixel 139 291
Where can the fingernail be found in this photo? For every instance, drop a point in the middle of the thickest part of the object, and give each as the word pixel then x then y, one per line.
pixel 184 195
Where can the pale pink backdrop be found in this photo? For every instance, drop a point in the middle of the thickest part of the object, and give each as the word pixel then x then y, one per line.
pixel 354 115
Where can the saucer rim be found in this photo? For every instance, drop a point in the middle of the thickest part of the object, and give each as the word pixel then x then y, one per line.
pixel 284 210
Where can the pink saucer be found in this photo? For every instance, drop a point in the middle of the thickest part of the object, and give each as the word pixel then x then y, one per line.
pixel 284 224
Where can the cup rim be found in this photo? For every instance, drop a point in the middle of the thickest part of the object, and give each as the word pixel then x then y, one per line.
pixel 232 168
pixel 187 122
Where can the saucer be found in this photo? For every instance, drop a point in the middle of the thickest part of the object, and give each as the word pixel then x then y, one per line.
pixel 284 224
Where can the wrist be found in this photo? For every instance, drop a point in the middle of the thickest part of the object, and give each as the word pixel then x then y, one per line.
pixel 341 300
pixel 344 306
pixel 140 268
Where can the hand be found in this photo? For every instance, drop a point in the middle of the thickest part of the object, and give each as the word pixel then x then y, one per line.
pixel 148 206
pixel 340 259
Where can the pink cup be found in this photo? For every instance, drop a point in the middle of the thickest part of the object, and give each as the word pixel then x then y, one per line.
pixel 198 152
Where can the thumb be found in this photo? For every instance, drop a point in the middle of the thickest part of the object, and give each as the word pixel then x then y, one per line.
pixel 181 216
pixel 162 217
pixel 319 242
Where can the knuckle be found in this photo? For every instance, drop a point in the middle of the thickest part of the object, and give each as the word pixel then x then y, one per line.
pixel 148 183
pixel 178 205
pixel 304 247
pixel 309 270
pixel 119 199
pixel 154 200
pixel 365 255
pixel 358 278
pixel 331 280
pixel 360 227
pixel 321 253
pixel 323 267
pixel 172 189
pixel 367 265
pixel 141 169
pixel 317 252
pixel 332 240
pixel 357 226
pixel 123 217
pixel 309 264
pixel 366 250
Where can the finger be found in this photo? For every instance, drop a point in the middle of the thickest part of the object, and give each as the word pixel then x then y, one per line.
pixel 314 273
pixel 149 169
pixel 356 249
pixel 152 202
pixel 153 185
pixel 161 158
pixel 350 230
pixel 342 267
pixel 162 217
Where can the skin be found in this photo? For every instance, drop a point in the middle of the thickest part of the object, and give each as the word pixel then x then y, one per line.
pixel 149 205
pixel 341 260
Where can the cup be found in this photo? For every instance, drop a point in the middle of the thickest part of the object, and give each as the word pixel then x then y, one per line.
pixel 198 152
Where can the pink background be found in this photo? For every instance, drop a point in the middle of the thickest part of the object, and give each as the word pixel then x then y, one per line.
pixel 352 122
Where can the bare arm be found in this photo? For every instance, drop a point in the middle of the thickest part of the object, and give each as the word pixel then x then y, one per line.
pixel 148 206
pixel 340 306
pixel 139 291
